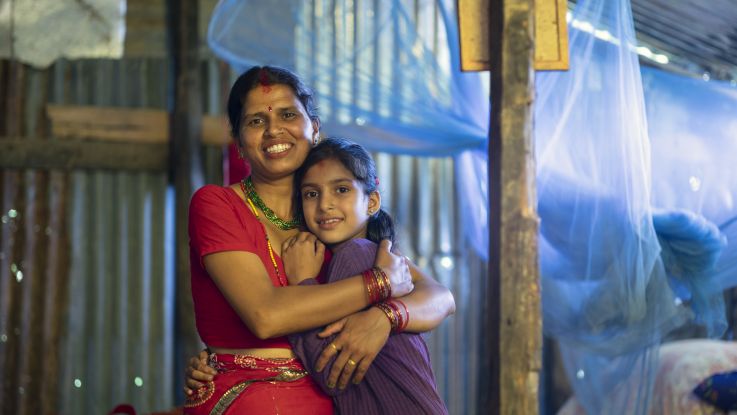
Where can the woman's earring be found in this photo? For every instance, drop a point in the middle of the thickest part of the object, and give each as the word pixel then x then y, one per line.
pixel 240 154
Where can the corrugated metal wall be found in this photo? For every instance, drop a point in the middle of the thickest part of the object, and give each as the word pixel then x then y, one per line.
pixel 86 259
pixel 33 256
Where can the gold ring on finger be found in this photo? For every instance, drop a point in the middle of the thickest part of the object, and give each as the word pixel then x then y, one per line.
pixel 351 362
pixel 334 347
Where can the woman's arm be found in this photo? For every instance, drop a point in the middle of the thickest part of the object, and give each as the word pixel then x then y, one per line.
pixel 271 311
pixel 428 304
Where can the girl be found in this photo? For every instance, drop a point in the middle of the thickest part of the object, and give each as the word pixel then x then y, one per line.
pixel 341 206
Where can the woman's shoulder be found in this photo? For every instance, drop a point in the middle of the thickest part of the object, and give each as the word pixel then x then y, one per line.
pixel 211 194
pixel 218 214
pixel 212 190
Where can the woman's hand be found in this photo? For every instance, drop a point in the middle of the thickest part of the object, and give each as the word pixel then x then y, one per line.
pixel 303 256
pixel 395 267
pixel 361 337
pixel 197 371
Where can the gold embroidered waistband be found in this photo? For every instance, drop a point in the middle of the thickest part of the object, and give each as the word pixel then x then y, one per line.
pixel 284 374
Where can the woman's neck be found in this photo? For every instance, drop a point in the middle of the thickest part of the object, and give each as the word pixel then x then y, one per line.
pixel 276 194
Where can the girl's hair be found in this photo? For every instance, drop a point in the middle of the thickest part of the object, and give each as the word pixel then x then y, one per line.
pixel 358 161
pixel 265 76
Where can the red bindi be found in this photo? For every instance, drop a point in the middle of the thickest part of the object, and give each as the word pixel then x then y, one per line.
pixel 269 108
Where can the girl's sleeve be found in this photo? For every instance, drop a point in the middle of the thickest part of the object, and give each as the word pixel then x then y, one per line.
pixel 353 258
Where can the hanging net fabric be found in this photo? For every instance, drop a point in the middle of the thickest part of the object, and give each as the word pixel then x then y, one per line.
pixel 623 259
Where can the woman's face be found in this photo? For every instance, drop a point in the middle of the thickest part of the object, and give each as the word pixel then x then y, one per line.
pixel 276 131
pixel 335 206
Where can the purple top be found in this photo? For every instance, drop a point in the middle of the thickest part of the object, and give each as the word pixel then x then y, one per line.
pixel 400 379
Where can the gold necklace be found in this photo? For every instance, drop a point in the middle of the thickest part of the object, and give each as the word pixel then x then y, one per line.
pixel 268 242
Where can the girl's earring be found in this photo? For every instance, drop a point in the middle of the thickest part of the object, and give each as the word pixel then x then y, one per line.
pixel 240 154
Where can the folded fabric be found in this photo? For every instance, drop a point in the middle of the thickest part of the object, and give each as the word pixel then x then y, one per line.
pixel 719 390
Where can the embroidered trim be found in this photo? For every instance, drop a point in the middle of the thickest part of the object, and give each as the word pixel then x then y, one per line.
pixel 200 396
pixel 229 396
pixel 285 375
pixel 245 361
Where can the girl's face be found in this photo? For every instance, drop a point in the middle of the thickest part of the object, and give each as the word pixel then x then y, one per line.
pixel 335 206
pixel 276 131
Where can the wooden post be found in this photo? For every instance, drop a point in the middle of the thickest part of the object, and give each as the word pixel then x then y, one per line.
pixel 185 166
pixel 12 124
pixel 513 312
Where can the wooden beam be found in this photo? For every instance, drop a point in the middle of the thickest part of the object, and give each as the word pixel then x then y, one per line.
pixel 127 124
pixel 74 153
pixel 104 123
pixel 513 320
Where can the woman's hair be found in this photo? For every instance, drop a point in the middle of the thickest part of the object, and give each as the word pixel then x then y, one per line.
pixel 265 76
pixel 358 161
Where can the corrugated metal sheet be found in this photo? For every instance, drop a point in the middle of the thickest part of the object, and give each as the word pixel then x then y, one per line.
pixel 99 277
pixel 421 195
pixel 119 339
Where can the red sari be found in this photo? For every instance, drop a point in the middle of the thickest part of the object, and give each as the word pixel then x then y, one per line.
pixel 251 385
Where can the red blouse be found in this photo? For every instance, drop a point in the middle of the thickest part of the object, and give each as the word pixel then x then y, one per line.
pixel 219 220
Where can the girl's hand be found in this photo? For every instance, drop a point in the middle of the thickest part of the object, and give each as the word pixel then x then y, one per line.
pixel 361 337
pixel 197 371
pixel 303 256
pixel 396 269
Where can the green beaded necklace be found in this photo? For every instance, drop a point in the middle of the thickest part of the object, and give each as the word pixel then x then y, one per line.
pixel 270 215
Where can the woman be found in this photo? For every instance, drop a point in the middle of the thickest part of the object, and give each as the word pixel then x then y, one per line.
pixel 243 307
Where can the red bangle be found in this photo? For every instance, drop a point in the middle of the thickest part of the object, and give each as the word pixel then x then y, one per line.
pixel 405 319
pixel 395 309
pixel 390 314
pixel 372 288
pixel 383 283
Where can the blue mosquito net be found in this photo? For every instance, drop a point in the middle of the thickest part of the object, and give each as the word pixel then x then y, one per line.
pixel 633 239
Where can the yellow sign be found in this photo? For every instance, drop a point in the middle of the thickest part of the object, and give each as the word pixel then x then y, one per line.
pixel 551 34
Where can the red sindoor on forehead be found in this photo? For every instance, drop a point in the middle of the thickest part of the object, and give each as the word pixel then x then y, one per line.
pixel 263 78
